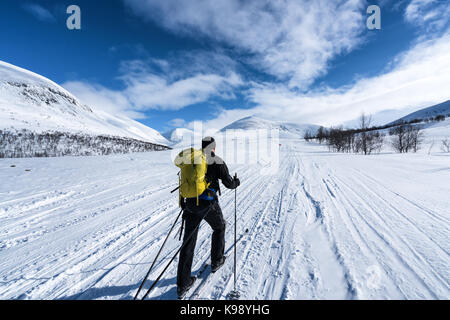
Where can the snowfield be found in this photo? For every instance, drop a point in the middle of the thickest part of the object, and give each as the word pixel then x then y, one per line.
pixel 325 226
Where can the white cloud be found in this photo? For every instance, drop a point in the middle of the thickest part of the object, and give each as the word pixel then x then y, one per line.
pixel 293 40
pixel 419 78
pixel 39 12
pixel 177 123
pixel 146 89
pixel 155 92
pixel 434 14
pixel 102 99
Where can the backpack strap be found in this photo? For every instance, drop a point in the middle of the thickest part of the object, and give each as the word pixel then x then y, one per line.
pixel 179 189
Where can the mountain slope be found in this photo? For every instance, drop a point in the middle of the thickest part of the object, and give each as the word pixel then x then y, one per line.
pixel 32 102
pixel 287 130
pixel 442 109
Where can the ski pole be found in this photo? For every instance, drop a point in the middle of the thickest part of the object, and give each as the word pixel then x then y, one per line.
pixel 154 261
pixel 234 295
pixel 235 231
pixel 175 255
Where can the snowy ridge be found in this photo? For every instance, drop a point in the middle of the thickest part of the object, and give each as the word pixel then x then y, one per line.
pixel 442 109
pixel 287 130
pixel 30 101
pixel 434 131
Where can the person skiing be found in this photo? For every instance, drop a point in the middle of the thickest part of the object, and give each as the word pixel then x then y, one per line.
pixel 207 207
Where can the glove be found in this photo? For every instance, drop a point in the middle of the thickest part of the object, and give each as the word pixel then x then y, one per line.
pixel 237 182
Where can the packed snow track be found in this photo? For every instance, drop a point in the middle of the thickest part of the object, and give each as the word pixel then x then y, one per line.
pixel 325 226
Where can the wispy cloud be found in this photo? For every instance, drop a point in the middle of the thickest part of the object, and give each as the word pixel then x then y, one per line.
pixel 434 15
pixel 39 12
pixel 177 123
pixel 293 40
pixel 157 85
pixel 155 92
pixel 103 99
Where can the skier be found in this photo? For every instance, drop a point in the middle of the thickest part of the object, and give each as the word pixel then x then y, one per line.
pixel 193 212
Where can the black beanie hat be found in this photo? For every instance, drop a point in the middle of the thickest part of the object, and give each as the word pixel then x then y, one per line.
pixel 209 143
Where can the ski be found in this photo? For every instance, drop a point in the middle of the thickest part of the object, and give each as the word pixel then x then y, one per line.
pixel 204 273
pixel 186 292
pixel 198 277
pixel 202 270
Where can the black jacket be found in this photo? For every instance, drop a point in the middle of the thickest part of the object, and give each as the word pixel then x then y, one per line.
pixel 217 169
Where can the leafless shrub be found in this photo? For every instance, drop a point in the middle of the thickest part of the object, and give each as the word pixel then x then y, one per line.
pixel 308 136
pixel 25 143
pixel 406 138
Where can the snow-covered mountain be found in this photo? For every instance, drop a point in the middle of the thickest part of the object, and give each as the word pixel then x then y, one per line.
pixel 442 109
pixel 287 130
pixel 178 135
pixel 32 102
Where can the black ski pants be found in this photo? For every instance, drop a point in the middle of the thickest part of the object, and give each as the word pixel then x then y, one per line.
pixel 193 216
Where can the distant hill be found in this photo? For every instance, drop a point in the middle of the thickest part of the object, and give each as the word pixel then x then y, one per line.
pixel 287 130
pixel 442 109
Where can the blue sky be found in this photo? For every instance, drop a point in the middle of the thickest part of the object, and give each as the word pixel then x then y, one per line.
pixel 167 63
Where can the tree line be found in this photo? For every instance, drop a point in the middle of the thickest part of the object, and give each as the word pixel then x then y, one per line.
pixel 368 139
pixel 25 144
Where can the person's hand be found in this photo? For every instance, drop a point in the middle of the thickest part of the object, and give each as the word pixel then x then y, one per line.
pixel 237 182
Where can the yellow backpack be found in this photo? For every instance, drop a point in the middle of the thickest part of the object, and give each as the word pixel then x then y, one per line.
pixel 193 166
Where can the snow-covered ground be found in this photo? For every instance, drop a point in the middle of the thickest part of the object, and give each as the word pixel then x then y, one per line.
pixel 325 226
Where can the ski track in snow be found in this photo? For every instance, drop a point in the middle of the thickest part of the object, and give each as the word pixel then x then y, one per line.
pixel 326 226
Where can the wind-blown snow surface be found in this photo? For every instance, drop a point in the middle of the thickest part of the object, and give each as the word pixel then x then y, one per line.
pixel 325 226
pixel 30 101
